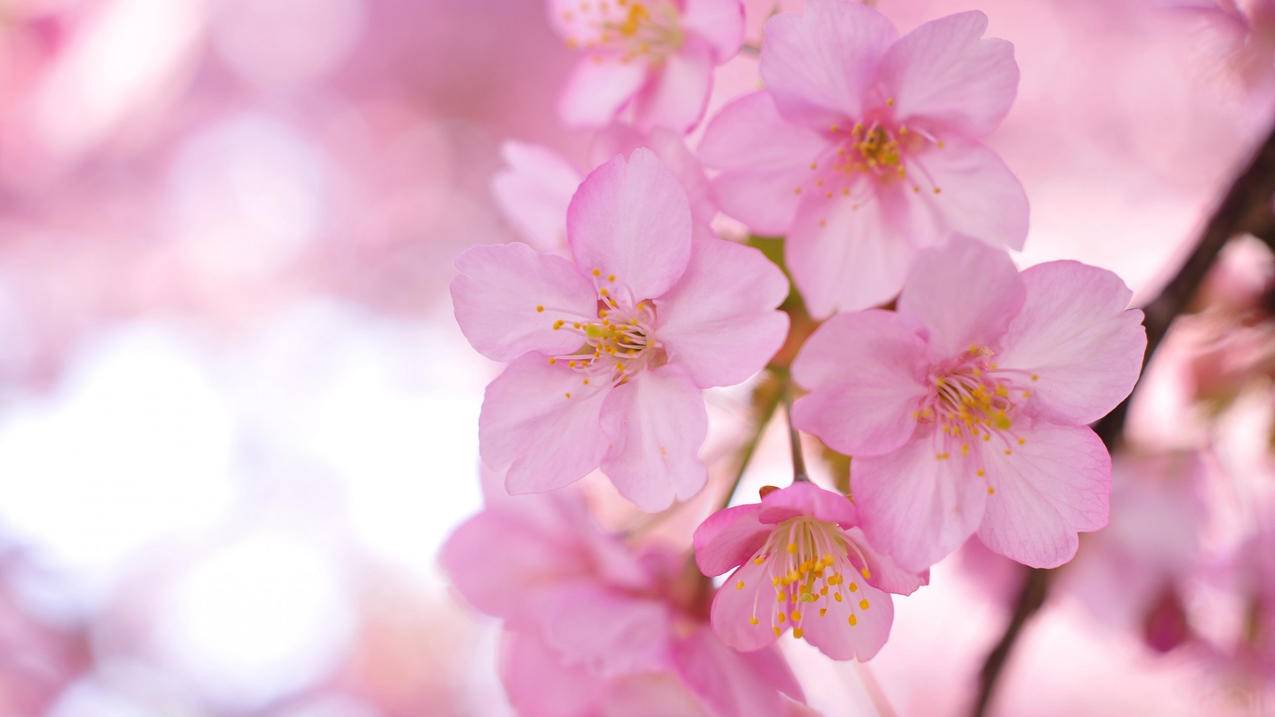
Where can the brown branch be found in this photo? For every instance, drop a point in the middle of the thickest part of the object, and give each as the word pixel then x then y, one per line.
pixel 1246 206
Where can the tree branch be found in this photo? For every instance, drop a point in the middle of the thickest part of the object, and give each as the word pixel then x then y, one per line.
pixel 1246 206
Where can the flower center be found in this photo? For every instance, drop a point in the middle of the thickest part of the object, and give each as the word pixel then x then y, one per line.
pixel 880 152
pixel 617 342
pixel 807 562
pixel 627 28
pixel 973 400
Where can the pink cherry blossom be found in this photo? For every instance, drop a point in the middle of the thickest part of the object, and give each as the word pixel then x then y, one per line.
pixel 800 561
pixel 590 622
pixel 966 409
pixel 610 349
pixel 535 188
pixel 654 57
pixel 1241 34
pixel 865 147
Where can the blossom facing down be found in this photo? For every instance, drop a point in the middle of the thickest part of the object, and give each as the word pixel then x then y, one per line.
pixel 655 57
pixel 611 348
pixel 865 147
pixel 535 187
pixel 800 562
pixel 590 622
pixel 966 409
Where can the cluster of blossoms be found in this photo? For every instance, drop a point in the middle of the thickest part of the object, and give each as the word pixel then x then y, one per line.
pixel 965 406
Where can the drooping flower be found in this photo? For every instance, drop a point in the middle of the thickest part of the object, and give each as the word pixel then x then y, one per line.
pixel 655 57
pixel 535 188
pixel 865 147
pixel 591 622
pixel 610 349
pixel 966 409
pixel 800 562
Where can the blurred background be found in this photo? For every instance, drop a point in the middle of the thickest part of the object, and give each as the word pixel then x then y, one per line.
pixel 237 419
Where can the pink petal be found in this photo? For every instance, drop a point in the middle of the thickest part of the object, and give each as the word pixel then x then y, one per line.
pixel 865 373
pixel 914 507
pixel 965 294
pixel 734 608
pixel 656 423
pixel 646 694
pixel 499 293
pixel 631 218
pixel 734 684
pixel 599 87
pixel 672 150
pixel 1057 483
pixel 820 64
pixel 528 424
pixel 719 322
pixel 764 158
pixel 495 558
pixel 1077 335
pixel 677 93
pixel 806 498
pixel 729 537
pixel 844 256
pixel 533 192
pixel 944 76
pixel 720 23
pixel 538 683
pixel 978 195
pixel 606 631
pixel 835 637
pixel 883 572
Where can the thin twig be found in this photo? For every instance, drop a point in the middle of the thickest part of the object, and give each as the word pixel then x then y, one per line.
pixel 1246 206
pixel 794 440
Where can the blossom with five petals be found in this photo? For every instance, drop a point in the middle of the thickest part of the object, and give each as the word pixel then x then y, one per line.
pixel 865 147
pixel 611 349
pixel 966 409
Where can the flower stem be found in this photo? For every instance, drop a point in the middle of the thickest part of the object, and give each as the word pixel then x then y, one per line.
pixel 794 439
pixel 1246 206
pixel 769 396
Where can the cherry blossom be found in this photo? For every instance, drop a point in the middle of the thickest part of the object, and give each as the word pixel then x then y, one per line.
pixel 610 350
pixel 800 562
pixel 865 147
pixel 966 409
pixel 655 57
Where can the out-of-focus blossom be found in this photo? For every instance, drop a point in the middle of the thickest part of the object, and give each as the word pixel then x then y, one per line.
pixel 593 626
pixel 655 57
pixel 612 348
pixel 967 409
pixel 865 147
pixel 536 185
pixel 802 543
pixel 1240 34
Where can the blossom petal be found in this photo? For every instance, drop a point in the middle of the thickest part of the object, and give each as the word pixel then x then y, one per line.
pixel 720 323
pixel 729 537
pixel 630 218
pixel 865 372
pixel 883 573
pixel 598 88
pixel 845 256
pixel 965 294
pixel 1077 335
pixel 763 158
pixel 944 75
pixel 806 498
pixel 528 424
pixel 915 507
pixel 835 636
pixel 672 150
pixel 508 296
pixel 538 683
pixel 734 609
pixel 720 23
pixel 978 194
pixel 607 631
pixel 677 93
pixel 656 423
pixel 731 683
pixel 1058 482
pixel 820 63
pixel 533 192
